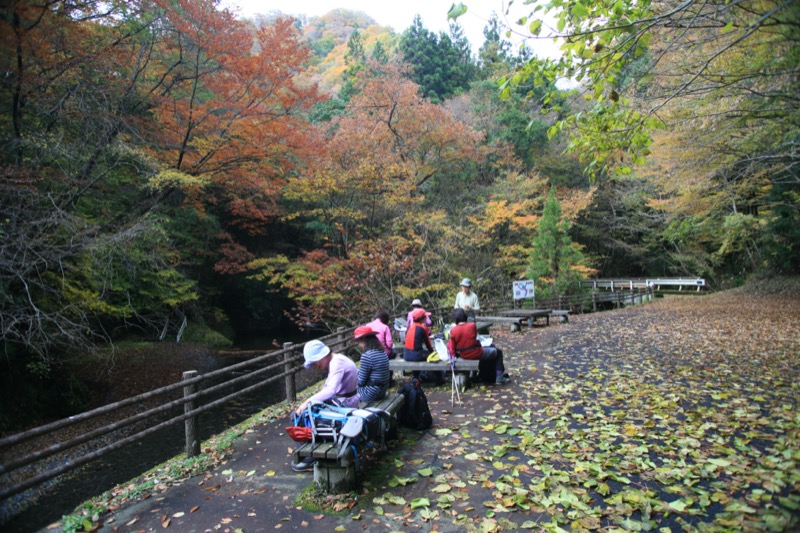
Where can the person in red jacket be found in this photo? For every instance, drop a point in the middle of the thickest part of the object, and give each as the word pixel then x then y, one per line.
pixel 418 340
pixel 464 343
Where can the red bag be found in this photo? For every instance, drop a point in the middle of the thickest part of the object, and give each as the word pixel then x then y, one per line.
pixel 299 434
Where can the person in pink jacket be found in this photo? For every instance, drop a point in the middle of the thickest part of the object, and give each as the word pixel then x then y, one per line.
pixel 417 304
pixel 381 327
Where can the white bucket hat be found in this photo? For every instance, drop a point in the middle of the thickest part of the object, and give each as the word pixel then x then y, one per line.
pixel 466 282
pixel 314 351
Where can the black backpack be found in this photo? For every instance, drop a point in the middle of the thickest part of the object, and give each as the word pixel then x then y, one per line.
pixel 415 413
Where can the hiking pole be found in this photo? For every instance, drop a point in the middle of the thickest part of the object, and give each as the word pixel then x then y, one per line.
pixel 455 382
pixel 452 382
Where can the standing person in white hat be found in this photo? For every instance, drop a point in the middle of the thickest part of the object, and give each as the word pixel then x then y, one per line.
pixel 467 300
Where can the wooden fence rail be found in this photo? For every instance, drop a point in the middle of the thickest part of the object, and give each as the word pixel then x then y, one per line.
pixel 13 479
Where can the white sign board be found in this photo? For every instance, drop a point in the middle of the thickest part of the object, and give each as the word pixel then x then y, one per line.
pixel 523 289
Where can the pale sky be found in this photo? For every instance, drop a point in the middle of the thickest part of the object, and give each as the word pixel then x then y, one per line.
pixel 400 15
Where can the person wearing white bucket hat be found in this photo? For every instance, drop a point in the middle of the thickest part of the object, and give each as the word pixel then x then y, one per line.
pixel 467 300
pixel 340 386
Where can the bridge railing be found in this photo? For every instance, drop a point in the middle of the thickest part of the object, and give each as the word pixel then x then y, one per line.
pixel 585 302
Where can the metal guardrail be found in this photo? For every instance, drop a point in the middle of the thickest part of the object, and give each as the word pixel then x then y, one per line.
pixel 585 302
pixel 634 283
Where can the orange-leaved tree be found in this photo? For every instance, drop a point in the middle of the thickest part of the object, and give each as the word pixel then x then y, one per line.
pixel 140 136
pixel 228 117
pixel 377 164
pixel 335 291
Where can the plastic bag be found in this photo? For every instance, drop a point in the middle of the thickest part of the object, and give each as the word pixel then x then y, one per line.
pixel 441 350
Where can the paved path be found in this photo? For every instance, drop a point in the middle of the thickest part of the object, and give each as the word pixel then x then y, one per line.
pixel 255 490
pixel 622 419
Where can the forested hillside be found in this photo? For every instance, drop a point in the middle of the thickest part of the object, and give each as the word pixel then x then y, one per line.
pixel 164 164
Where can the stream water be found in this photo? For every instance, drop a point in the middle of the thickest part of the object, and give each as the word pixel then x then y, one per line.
pixel 62 495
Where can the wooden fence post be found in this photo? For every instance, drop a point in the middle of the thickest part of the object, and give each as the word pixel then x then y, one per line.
pixel 291 389
pixel 594 302
pixel 190 425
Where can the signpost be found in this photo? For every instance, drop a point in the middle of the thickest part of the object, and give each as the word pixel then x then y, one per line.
pixel 523 289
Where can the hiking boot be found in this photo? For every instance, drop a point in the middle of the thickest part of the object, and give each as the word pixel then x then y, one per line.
pixel 502 380
pixel 304 465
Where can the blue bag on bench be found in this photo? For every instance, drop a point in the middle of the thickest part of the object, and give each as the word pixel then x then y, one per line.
pixel 343 425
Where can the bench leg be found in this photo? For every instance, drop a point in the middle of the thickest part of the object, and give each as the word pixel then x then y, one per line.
pixel 331 476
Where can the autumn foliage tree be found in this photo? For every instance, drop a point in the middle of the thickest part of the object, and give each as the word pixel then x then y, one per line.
pixel 363 194
pixel 139 137
pixel 717 84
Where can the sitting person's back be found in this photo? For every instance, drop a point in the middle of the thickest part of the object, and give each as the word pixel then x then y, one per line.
pixel 381 328
pixel 464 343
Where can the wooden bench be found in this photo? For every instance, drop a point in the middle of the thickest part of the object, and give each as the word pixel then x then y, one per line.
pixel 340 474
pixel 563 315
pixel 514 321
